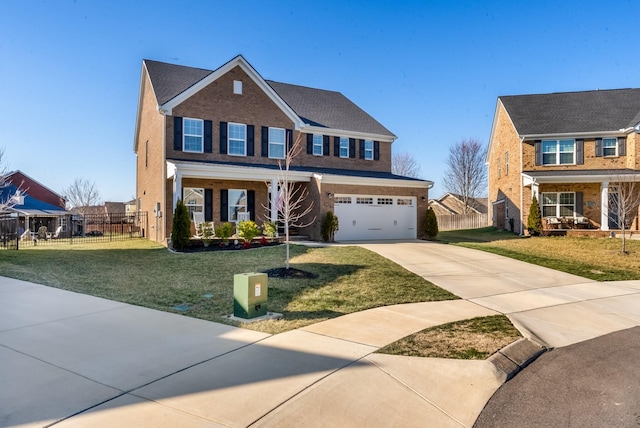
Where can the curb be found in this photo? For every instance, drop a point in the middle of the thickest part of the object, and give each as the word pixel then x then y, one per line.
pixel 516 356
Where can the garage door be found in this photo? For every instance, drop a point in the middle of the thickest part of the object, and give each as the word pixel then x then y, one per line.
pixel 366 217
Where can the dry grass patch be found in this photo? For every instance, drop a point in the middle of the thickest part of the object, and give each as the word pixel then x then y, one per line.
pixel 473 339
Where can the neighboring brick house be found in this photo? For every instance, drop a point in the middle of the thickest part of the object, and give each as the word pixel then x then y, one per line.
pixel 214 138
pixel 34 203
pixel 567 149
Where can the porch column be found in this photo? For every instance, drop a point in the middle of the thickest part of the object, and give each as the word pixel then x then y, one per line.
pixel 274 199
pixel 604 205
pixel 177 189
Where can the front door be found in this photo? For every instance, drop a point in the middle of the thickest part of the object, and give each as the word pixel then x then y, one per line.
pixel 614 210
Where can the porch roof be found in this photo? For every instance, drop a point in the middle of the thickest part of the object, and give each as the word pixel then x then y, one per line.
pixel 262 172
pixel 580 176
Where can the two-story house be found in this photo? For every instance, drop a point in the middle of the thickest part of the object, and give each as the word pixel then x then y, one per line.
pixel 214 139
pixel 569 150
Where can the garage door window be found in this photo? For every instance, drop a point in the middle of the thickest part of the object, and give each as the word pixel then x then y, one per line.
pixel 403 201
pixel 385 201
pixel 342 200
pixel 365 201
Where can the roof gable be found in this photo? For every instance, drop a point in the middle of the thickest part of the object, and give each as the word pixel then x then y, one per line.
pixel 173 84
pixel 573 112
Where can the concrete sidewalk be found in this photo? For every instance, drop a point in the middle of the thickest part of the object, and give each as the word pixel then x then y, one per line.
pixel 86 361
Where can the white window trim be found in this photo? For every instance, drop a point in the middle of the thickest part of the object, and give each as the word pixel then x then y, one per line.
pixel 185 135
pixel 229 139
pixel 283 144
pixel 558 153
pixel 321 145
pixel 230 205
pixel 343 139
pixel 558 204
pixel 615 147
pixel 368 153
pixel 237 87
pixel 194 206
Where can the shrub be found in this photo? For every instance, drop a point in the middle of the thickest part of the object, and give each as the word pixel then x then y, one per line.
pixel 224 231
pixel 430 225
pixel 534 222
pixel 181 230
pixel 329 227
pixel 248 230
pixel 269 228
pixel 264 241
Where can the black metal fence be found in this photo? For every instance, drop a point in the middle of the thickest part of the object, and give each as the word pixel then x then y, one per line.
pixel 26 232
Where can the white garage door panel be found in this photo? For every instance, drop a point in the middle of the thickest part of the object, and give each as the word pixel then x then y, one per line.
pixel 365 222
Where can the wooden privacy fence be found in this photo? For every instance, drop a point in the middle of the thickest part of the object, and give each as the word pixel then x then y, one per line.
pixel 462 221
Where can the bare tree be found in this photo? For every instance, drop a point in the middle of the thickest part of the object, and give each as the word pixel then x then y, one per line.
pixel 80 194
pixel 291 205
pixel 405 164
pixel 10 199
pixel 466 174
pixel 624 200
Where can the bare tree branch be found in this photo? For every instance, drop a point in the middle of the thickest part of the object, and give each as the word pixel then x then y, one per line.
pixel 466 174
pixel 81 194
pixel 624 200
pixel 405 164
pixel 292 196
pixel 10 199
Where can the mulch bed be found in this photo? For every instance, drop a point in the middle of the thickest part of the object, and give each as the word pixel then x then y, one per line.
pixel 218 247
pixel 289 273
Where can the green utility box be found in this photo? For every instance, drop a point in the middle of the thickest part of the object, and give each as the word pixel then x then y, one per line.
pixel 250 295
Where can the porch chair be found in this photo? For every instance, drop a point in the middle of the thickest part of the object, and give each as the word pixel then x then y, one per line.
pixel 553 222
pixel 198 218
pixel 56 234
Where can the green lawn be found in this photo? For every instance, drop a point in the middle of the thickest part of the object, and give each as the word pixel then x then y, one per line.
pixel 600 259
pixel 140 272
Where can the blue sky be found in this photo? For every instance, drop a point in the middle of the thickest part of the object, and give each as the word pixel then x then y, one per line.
pixel 430 71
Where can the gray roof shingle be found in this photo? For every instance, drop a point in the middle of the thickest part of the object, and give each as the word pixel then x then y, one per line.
pixel 569 112
pixel 317 107
pixel 327 109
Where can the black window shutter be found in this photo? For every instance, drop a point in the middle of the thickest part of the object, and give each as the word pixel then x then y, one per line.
pixel 224 205
pixel 579 203
pixel 208 204
pixel 208 137
pixel 223 138
pixel 352 148
pixel 376 150
pixel 289 139
pixel 361 147
pixel 598 147
pixel 326 143
pixel 309 144
pixel 250 140
pixel 251 204
pixel 177 133
pixel 537 144
pixel 622 146
pixel 579 151
pixel 336 146
pixel 265 142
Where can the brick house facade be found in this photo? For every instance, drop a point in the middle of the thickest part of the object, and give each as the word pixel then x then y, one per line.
pixel 570 151
pixel 215 139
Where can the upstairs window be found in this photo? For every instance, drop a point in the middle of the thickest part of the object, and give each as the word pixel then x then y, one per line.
pixel 609 147
pixel 368 149
pixel 192 135
pixel 317 145
pixel 276 143
pixel 344 147
pixel 237 139
pixel 558 152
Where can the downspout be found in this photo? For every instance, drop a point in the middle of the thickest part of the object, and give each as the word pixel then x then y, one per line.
pixel 521 189
pixel 164 174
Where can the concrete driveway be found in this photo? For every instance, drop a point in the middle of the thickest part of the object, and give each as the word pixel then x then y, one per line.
pixel 75 360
